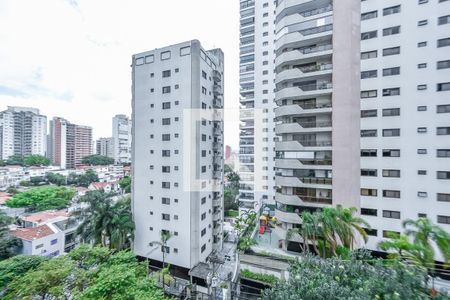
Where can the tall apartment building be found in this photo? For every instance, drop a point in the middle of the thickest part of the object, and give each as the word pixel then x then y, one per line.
pixel 317 119
pixel 105 147
pixel 121 131
pixel 23 131
pixel 70 143
pixel 405 114
pixel 257 137
pixel 177 152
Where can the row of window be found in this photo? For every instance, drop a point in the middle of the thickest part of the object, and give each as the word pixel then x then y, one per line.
pixel 396 152
pixel 392 214
pixel 385 173
pixel 394 132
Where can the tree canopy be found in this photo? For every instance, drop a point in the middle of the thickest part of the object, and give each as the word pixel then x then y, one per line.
pixel 29 160
pixel 57 179
pixel 42 198
pixel 85 273
pixel 97 160
pixel 125 184
pixel 87 178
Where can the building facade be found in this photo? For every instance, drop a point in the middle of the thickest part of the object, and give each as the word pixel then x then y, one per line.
pixel 121 130
pixel 177 152
pixel 317 119
pixel 23 131
pixel 405 114
pixel 105 147
pixel 257 136
pixel 70 143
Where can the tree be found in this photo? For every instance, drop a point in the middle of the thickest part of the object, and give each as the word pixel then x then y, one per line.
pixel 7 242
pixel 97 160
pixel 17 266
pixel 36 160
pixel 42 198
pixel 104 222
pixel 125 184
pixel 57 179
pixel 37 180
pixel 87 178
pixel 227 169
pixel 15 160
pixel 360 277
pixel 12 190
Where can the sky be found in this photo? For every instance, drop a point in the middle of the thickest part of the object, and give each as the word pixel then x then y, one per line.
pixel 71 58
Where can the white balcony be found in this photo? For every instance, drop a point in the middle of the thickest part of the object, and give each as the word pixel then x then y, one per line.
pixel 294 163
pixel 295 56
pixel 298 200
pixel 297 146
pixel 303 17
pixel 319 126
pixel 302 39
pixel 295 109
pixel 291 181
pixel 304 92
pixel 282 5
pixel 296 73
pixel 287 217
pixel 246 114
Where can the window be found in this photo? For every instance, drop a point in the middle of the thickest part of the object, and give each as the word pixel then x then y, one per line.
pixel 166 105
pixel 369 35
pixel 390 234
pixel 391 10
pixel 391 132
pixel 165 200
pixel 165 185
pixel 443 153
pixel 368 94
pixel 423 1
pixel 53 242
pixel 391 92
pixel 369 15
pixel 443 174
pixel 165 137
pixel 203 200
pixel 443 64
pixel 177 70
pixel 444 20
pixel 165 169
pixel 369 212
pixel 368 113
pixel 391 71
pixel 369 133
pixel 443 219
pixel 203 232
pixel 421 108
pixel 166 89
pixel 392 214
pixel 443 131
pixel 391 51
pixel 203 248
pixel 165 55
pixel 165 153
pixel 422 66
pixel 421 172
pixel 391 173
pixel 422 22
pixel 421 44
pixel 203 216
pixel 369 74
pixel 443 197
pixel 391 194
pixel 149 59
pixel 390 112
pixel 391 153
pixel 203 153
pixel 166 121
pixel 139 61
pixel 443 42
pixel 369 192
pixel 422 194
pixel 371 232
pixel 166 217
pixel 185 51
pixel 421 129
pixel 391 30
pixel 166 73
pixel 421 87
pixel 203 169
pixel 369 54
pixel 368 152
pixel 421 151
pixel 369 172
pixel 443 86
pixel 204 137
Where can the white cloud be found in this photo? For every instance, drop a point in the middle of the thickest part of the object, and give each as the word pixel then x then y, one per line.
pixel 71 58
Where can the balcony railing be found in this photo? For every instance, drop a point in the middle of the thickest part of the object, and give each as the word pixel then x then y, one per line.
pixel 316 180
pixel 315 49
pixel 316 30
pixel 316 11
pixel 314 87
pixel 311 199
pixel 312 124
pixel 314 143
pixel 315 68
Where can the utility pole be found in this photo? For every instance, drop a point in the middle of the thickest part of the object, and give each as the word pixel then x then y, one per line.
pixel 214 259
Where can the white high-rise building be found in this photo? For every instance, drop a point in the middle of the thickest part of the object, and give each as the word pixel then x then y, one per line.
pixel 405 114
pixel 121 131
pixel 23 131
pixel 105 147
pixel 177 152
pixel 257 136
pixel 317 119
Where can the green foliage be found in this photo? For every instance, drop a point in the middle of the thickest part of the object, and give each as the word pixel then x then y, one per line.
pixel 244 225
pixel 36 160
pixel 16 266
pixel 270 279
pixel 125 184
pixel 37 180
pixel 7 242
pixel 85 273
pixel 42 198
pixel 15 160
pixel 97 160
pixel 227 169
pixel 360 277
pixel 105 222
pixel 87 178
pixel 231 190
pixel 231 213
pixel 12 190
pixel 57 179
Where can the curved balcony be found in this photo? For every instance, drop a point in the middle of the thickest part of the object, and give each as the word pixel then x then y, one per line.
pixel 287 217
pixel 304 37
pixel 302 200
pixel 295 109
pixel 295 127
pixel 301 17
pixel 302 146
pixel 304 92
pixel 295 56
pixel 284 6
pixel 295 163
pixel 313 182
pixel 311 73
pixel 246 114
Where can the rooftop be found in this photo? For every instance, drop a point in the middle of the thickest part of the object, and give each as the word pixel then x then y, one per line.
pixel 32 233
pixel 3 197
pixel 45 216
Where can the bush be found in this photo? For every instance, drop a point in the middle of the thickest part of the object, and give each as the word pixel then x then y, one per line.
pixel 270 279
pixel 42 198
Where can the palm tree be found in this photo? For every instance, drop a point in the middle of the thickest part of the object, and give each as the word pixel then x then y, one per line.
pixel 348 225
pixel 122 233
pixel 165 235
